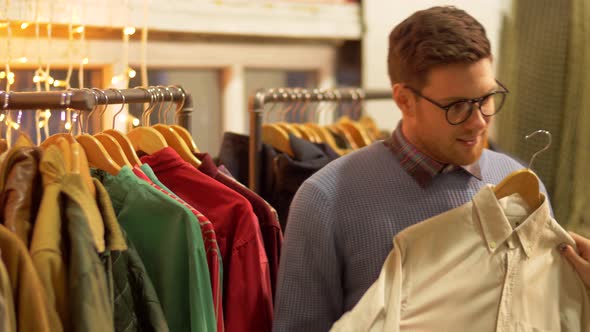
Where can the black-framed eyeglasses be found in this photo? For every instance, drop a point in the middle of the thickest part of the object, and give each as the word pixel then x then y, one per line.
pixel 459 111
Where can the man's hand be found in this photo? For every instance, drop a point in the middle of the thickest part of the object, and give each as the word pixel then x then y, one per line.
pixel 580 260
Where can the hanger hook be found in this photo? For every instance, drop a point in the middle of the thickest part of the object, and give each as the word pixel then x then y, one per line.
pixel 122 105
pixel 167 89
pixel 149 105
pixel 548 134
pixel 93 109
pixel 181 105
pixel 104 109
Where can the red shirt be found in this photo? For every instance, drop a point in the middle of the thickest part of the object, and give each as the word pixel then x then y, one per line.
pixel 247 296
pixel 267 216
pixel 211 248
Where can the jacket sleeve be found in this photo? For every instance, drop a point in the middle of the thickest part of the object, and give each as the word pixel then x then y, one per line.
pixel 309 287
pixel 380 307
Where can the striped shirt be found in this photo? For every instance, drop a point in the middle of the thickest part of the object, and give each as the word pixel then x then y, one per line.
pixel 419 165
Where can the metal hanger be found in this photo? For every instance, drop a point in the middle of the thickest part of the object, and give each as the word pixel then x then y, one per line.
pixel 524 181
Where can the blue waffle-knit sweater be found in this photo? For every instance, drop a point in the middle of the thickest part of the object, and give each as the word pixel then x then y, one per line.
pixel 341 227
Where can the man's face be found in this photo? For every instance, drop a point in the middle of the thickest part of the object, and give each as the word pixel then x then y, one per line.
pixel 427 127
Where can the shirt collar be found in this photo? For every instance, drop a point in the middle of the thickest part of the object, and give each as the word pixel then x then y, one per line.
pixel 419 165
pixel 531 232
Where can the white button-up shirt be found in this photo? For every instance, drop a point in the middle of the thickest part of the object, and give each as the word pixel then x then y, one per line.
pixel 489 265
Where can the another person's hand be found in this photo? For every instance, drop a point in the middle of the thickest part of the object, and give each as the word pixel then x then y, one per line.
pixel 581 259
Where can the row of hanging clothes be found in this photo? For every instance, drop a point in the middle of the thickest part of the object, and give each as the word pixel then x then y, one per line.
pixel 295 132
pixel 129 232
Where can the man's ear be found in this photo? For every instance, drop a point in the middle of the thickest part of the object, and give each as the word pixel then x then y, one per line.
pixel 405 99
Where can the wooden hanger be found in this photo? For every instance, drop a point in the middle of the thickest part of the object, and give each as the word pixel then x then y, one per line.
pixel 524 181
pixel 113 149
pixel 184 134
pixel 327 138
pixel 97 155
pixel 125 144
pixel 146 139
pixel 278 138
pixel 353 128
pixel 177 143
pixel 111 144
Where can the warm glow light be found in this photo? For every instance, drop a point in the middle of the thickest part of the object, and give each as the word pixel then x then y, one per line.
pixel 10 75
pixel 116 79
pixel 3 24
pixel 2 117
pixel 24 25
pixel 41 124
pixel 85 61
pixel 50 80
pixel 131 73
pixel 129 31
pixel 62 115
pixel 47 114
pixel 36 79
pixel 15 125
pixel 11 80
pixel 2 75
pixel 79 29
pixel 22 59
pixel 58 83
pixel 68 126
pixel 135 122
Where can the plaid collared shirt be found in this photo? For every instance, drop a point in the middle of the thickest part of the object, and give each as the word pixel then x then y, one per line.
pixel 420 166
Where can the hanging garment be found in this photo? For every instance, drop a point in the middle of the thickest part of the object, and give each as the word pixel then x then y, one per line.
pixel 214 261
pixel 64 250
pixel 9 320
pixel 247 294
pixel 266 214
pixel 133 297
pixel 168 240
pixel 31 308
pixel 285 174
pixel 21 190
pixel 487 265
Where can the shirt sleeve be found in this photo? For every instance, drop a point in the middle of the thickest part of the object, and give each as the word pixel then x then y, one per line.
pixel 309 287
pixel 379 308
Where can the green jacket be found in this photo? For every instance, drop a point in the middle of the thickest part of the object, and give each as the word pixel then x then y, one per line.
pixel 168 240
pixel 136 304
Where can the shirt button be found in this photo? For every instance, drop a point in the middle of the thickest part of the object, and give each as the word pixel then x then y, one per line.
pixel 492 245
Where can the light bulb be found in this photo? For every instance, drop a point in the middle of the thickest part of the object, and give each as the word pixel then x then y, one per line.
pixel 15 125
pixel 50 80
pixel 24 25
pixel 129 31
pixel 85 61
pixel 116 79
pixel 79 29
pixel 36 79
pixel 68 126
pixel 2 75
pixel 11 80
pixel 3 24
pixel 47 114
pixel 135 122
pixel 10 75
pixel 58 83
pixel 132 73
pixel 41 124
pixel 22 59
pixel 2 117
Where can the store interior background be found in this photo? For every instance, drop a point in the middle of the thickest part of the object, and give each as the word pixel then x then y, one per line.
pixel 222 51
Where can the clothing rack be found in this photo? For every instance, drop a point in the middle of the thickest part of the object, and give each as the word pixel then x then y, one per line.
pixel 88 99
pixel 282 95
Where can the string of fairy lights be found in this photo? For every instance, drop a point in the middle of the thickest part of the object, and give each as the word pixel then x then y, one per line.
pixel 77 56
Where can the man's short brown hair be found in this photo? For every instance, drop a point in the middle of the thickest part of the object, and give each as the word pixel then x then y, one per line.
pixel 434 37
